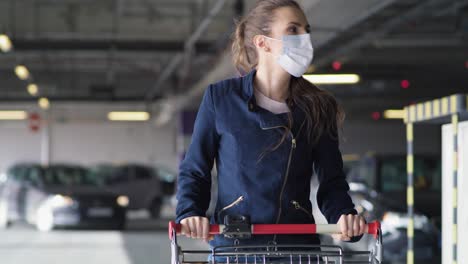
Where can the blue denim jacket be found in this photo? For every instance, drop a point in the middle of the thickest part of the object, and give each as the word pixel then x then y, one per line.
pixel 233 131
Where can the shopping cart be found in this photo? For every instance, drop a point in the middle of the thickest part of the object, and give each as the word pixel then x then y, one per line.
pixel 240 228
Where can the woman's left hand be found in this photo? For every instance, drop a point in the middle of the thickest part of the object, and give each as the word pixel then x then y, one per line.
pixel 350 226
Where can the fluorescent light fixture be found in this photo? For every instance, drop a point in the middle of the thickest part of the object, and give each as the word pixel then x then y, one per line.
pixel 332 78
pixel 44 103
pixel 33 89
pixel 394 114
pixel 5 43
pixel 22 72
pixel 351 157
pixel 128 116
pixel 13 115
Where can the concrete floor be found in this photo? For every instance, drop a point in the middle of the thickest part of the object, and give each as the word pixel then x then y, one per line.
pixel 144 242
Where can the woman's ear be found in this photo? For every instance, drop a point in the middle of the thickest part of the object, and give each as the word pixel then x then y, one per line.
pixel 261 43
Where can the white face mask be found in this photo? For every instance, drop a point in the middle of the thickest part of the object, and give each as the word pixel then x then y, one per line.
pixel 297 53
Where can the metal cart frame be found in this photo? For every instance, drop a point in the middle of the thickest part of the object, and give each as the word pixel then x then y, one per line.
pixel 277 254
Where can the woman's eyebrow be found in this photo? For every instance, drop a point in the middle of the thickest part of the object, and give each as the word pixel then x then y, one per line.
pixel 298 24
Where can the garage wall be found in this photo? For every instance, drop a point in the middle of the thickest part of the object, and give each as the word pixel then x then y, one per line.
pixel 90 143
pixel 112 142
pixel 18 143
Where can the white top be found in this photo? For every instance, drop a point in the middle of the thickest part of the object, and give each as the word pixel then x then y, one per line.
pixel 269 104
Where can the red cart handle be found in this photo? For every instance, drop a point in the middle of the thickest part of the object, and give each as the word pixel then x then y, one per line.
pixel 284 229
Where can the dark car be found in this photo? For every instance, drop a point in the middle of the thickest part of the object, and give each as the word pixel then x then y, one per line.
pixel 145 186
pixel 168 179
pixel 59 196
pixel 378 189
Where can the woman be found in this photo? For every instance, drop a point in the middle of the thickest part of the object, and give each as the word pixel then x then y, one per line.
pixel 267 131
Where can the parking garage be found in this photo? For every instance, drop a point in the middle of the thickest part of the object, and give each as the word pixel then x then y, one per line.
pixel 104 126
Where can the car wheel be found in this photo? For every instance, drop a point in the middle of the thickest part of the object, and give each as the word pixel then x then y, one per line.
pixel 44 220
pixel 155 208
pixel 4 223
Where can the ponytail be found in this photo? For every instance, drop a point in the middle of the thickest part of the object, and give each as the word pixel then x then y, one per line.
pixel 241 60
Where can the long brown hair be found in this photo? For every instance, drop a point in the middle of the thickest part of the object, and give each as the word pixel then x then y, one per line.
pixel 323 113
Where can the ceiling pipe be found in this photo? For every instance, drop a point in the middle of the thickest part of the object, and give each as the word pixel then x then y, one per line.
pixel 178 58
pixel 360 19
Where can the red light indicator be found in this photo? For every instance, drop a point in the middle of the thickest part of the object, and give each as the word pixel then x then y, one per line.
pixel 336 65
pixel 466 64
pixel 34 122
pixel 405 84
pixel 376 116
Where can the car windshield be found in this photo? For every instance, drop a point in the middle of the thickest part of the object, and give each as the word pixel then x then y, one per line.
pixel 165 174
pixel 102 171
pixel 68 176
pixel 427 174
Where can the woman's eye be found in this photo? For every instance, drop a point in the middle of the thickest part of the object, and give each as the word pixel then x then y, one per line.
pixel 292 30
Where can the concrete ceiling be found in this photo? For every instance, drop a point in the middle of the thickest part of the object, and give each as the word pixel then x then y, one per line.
pixel 116 50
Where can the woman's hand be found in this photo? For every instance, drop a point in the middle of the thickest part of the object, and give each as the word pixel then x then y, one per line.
pixel 350 226
pixel 196 227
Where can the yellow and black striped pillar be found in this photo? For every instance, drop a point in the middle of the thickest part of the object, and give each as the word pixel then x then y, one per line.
pixel 455 186
pixel 437 110
pixel 410 192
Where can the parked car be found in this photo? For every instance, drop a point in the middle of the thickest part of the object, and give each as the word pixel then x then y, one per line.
pixel 59 196
pixel 143 185
pixel 168 179
pixel 378 189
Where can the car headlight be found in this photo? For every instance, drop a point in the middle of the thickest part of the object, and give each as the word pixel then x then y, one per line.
pixel 60 201
pixel 123 201
pixel 394 220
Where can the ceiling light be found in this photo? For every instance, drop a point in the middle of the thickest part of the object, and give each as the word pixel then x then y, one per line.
pixel 33 89
pixel 22 72
pixel 394 114
pixel 332 78
pixel 351 157
pixel 13 115
pixel 44 103
pixel 5 43
pixel 128 116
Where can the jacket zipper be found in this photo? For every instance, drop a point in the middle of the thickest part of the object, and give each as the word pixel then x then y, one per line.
pixel 236 202
pixel 293 146
pixel 298 206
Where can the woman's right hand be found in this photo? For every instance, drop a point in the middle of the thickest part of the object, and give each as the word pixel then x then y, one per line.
pixel 196 227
